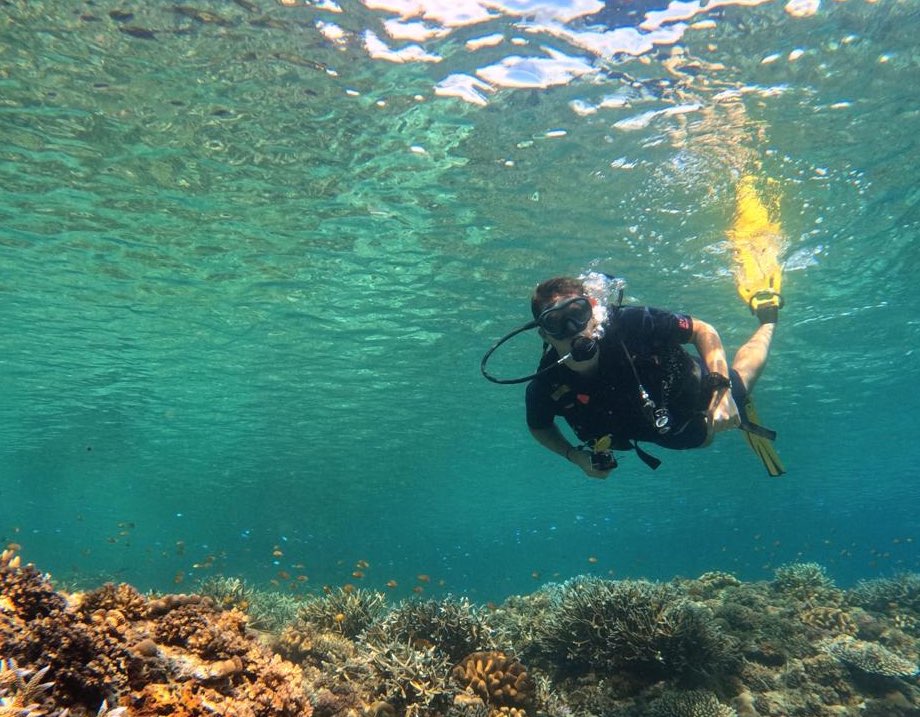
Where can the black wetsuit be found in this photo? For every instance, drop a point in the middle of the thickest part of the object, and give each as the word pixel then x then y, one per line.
pixel 610 403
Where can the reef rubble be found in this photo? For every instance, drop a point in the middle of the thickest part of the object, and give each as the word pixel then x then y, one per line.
pixel 713 646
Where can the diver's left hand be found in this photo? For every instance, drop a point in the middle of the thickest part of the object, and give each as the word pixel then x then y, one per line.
pixel 723 414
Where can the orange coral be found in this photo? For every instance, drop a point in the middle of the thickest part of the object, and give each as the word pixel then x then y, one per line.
pixel 501 681
pixel 830 619
pixel 176 655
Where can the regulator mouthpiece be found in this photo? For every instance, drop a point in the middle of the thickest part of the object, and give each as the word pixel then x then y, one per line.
pixel 584 348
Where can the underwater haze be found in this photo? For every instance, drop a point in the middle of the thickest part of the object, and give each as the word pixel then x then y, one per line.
pixel 252 252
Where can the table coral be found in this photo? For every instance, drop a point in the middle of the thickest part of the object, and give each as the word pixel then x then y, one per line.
pixel 870 657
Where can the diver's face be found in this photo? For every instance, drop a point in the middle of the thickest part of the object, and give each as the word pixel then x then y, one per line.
pixel 567 318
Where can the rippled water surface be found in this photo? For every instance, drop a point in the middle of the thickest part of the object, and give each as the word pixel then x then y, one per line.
pixel 251 254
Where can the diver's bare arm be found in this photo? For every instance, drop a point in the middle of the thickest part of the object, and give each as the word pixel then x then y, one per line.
pixel 723 413
pixel 553 440
pixel 709 344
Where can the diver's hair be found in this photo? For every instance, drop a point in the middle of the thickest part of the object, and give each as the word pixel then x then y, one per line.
pixel 548 290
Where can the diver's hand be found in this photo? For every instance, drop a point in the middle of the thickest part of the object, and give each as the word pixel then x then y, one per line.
pixel 582 459
pixel 723 413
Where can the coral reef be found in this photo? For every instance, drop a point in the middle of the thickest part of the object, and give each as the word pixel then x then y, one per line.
pixel 714 646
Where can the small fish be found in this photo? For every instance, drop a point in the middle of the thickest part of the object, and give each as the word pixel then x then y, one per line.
pixel 592 559
pixel 422 578
pixel 357 574
pixel 392 584
pixel 362 565
pixel 418 589
pixel 140 32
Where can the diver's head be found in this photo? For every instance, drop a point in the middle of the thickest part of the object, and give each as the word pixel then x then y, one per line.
pixel 565 317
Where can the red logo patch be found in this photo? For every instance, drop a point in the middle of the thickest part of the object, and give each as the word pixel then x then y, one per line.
pixel 583 398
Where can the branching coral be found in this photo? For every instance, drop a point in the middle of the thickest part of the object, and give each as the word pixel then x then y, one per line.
pixel 807 583
pixel 452 625
pixel 692 703
pixel 227 592
pixel 499 680
pixel 348 612
pixel 266 610
pixel 870 657
pixel 647 628
pixel 900 593
pixel 410 678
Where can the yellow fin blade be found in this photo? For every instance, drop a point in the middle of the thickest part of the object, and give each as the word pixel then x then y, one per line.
pixel 757 241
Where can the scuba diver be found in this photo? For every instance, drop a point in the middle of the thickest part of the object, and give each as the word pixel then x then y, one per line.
pixel 620 374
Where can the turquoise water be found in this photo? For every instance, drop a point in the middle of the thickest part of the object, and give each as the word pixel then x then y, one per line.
pixel 250 263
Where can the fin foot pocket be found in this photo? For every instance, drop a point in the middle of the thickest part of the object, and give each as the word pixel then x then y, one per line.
pixel 765 305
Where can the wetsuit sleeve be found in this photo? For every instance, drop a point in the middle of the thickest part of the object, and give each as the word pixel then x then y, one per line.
pixel 540 410
pixel 657 325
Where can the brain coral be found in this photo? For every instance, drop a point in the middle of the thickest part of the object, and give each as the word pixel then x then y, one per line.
pixel 870 657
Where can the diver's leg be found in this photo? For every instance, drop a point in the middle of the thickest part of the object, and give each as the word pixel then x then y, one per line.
pixel 752 357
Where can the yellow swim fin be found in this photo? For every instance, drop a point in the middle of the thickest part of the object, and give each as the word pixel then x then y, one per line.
pixel 757 242
pixel 760 439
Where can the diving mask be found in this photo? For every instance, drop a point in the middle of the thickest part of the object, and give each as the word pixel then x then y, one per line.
pixel 566 318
